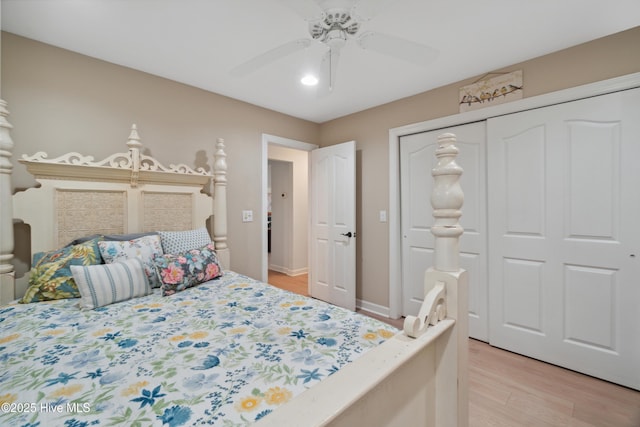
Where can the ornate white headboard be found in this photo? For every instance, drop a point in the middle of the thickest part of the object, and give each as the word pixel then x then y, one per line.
pixel 124 193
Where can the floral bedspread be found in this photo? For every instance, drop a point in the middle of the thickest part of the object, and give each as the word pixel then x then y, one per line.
pixel 227 352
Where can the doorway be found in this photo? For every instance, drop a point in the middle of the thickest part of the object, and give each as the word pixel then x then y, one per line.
pixel 291 159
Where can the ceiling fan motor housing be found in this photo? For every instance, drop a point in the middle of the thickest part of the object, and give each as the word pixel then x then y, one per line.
pixel 335 24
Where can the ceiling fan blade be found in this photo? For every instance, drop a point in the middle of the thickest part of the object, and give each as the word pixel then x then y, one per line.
pixel 367 9
pixel 399 48
pixel 328 72
pixel 270 56
pixel 307 9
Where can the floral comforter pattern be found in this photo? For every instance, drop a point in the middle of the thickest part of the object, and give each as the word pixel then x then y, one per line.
pixel 227 352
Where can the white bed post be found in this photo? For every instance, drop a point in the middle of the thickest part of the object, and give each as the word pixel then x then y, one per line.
pixel 7 273
pixel 220 205
pixel 445 286
pixel 447 199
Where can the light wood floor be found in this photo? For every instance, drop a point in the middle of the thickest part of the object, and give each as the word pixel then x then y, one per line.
pixel 509 390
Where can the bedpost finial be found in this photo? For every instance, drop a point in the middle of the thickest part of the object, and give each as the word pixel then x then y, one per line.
pixel 134 137
pixel 447 199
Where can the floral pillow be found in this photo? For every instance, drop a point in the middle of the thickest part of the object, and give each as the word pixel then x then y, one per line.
pixel 51 276
pixel 146 248
pixel 178 272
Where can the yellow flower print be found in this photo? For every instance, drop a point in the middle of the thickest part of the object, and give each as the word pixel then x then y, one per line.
pixel 198 335
pixel 155 305
pixel 134 389
pixel 240 330
pixel 385 334
pixel 55 332
pixel 370 336
pixel 177 338
pixel 284 331
pixel 285 305
pixel 8 398
pixel 67 391
pixel 186 303
pixel 9 338
pixel 101 332
pixel 277 396
pixel 248 403
pixel 299 303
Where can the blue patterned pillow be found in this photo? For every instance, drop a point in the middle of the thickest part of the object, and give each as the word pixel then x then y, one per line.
pixel 178 272
pixel 175 242
pixel 105 284
pixel 51 277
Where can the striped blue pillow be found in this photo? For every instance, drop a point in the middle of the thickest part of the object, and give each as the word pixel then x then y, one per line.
pixel 105 284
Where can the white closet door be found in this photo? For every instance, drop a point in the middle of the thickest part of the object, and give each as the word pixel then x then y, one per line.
pixel 416 161
pixel 564 235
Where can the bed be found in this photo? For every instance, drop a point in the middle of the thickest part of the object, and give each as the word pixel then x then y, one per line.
pixel 210 347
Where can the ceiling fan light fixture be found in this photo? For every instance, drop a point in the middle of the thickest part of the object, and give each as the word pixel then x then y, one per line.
pixel 309 80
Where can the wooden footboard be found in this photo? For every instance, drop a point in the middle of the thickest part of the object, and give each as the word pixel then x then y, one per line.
pixel 418 377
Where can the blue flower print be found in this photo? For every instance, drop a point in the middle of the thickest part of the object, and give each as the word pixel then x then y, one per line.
pixel 184 344
pixel 306 356
pixel 113 377
pixel 127 343
pixel 96 374
pixel 85 358
pixel 110 337
pixel 199 381
pixel 310 375
pixel 329 342
pixel 175 416
pixel 62 378
pixel 298 334
pixel 208 363
pixel 148 397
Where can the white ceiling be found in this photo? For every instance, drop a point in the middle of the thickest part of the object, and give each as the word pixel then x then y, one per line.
pixel 198 42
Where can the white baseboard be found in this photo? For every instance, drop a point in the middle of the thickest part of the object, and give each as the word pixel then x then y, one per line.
pixel 288 271
pixel 380 310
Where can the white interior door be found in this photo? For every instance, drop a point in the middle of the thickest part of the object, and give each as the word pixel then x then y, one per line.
pixel 417 158
pixel 564 235
pixel 332 274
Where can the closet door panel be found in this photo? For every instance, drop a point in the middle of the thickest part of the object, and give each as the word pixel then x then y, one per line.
pixel 564 235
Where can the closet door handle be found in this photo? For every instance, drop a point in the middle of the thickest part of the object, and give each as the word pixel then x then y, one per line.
pixel 348 234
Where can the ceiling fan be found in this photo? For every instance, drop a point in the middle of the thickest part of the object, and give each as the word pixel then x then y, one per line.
pixel 333 23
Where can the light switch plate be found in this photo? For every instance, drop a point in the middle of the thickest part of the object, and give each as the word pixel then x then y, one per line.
pixel 383 216
pixel 247 216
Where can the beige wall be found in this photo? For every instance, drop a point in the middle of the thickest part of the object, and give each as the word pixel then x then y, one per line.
pixel 61 101
pixel 57 98
pixel 601 59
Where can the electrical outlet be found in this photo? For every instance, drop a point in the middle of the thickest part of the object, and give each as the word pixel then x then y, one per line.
pixel 247 216
pixel 383 216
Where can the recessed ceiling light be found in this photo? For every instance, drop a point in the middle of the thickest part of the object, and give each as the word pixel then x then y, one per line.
pixel 309 80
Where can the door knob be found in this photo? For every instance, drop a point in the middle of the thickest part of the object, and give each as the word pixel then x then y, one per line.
pixel 347 234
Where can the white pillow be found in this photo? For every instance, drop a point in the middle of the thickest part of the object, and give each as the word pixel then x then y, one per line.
pixel 175 242
pixel 105 284
pixel 146 248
